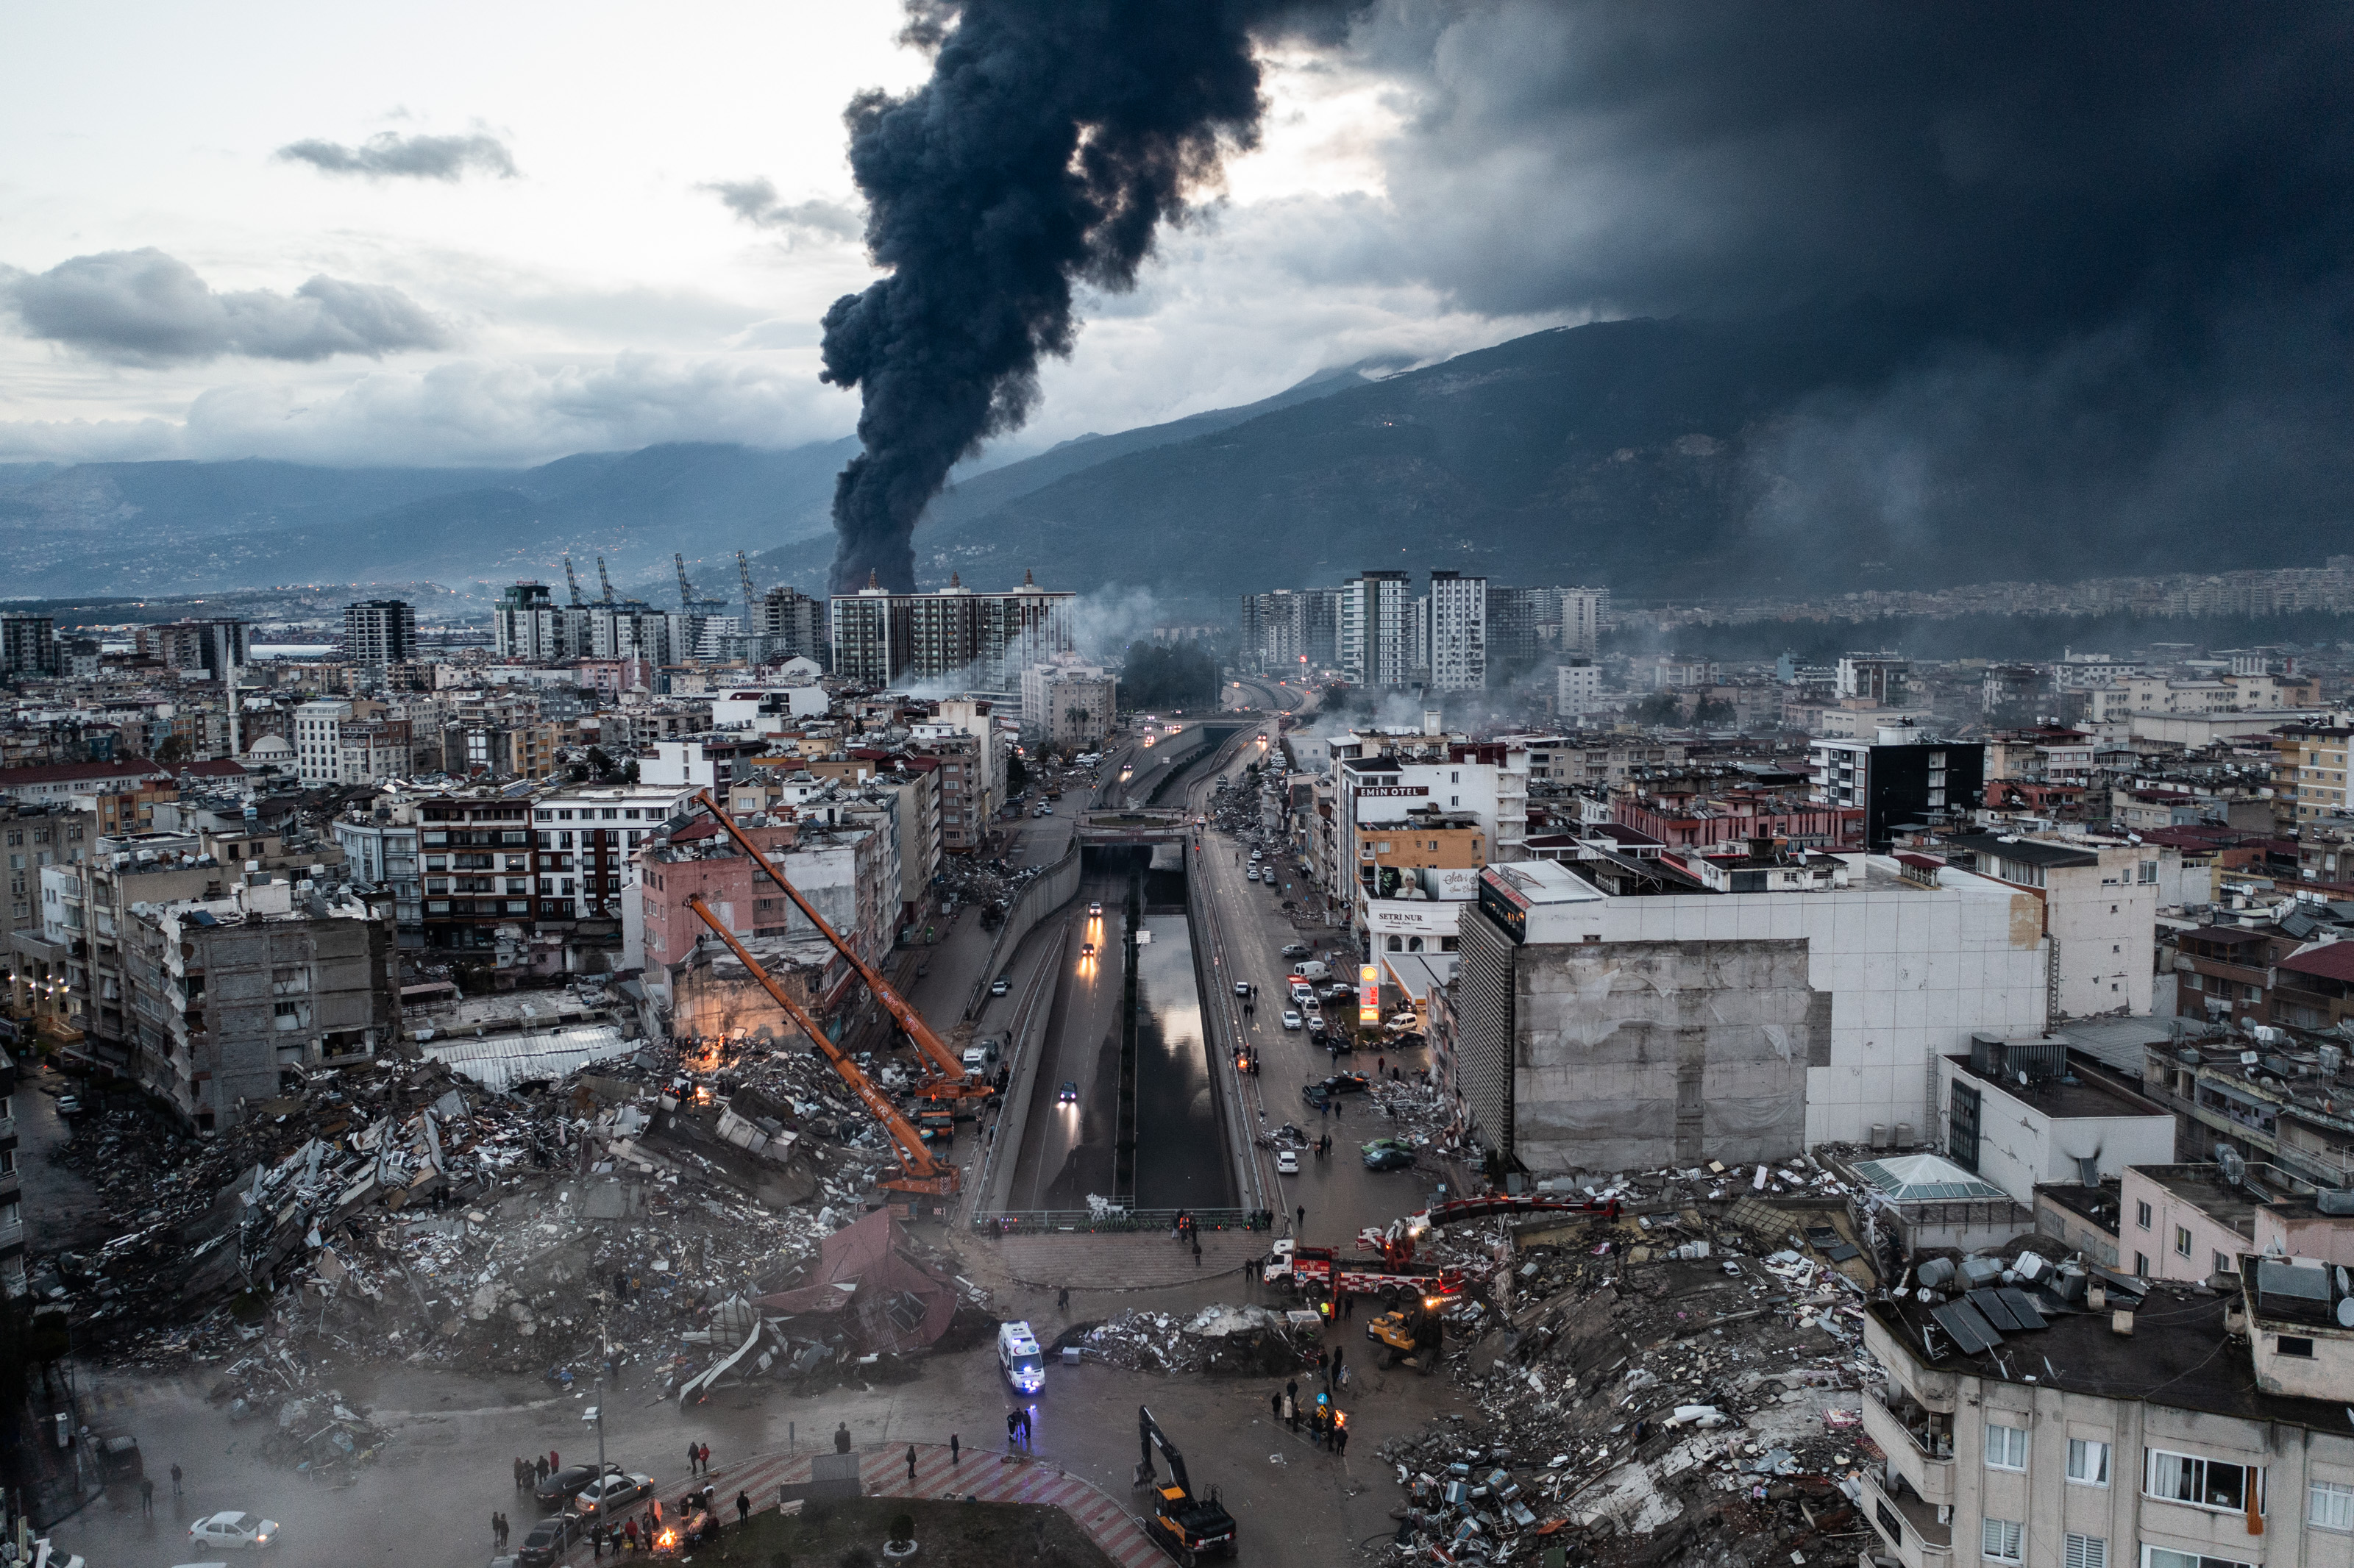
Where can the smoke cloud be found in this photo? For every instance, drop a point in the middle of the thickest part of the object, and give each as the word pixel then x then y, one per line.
pixel 392 156
pixel 1053 141
pixel 145 307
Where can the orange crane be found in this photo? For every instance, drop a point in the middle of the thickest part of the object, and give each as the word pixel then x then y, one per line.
pixel 919 1172
pixel 953 1083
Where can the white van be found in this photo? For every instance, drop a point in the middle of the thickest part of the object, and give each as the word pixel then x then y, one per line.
pixel 1312 969
pixel 1020 1358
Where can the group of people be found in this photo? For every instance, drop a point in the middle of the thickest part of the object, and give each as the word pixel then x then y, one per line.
pixel 529 1473
pixel 1017 1430
pixel 1327 1423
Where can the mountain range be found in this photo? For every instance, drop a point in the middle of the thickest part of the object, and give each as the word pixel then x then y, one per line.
pixel 1662 457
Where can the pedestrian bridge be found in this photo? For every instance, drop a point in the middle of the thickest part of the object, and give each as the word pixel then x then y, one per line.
pixel 1134 826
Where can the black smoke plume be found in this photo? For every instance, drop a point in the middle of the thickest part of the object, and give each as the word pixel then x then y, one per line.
pixel 1053 139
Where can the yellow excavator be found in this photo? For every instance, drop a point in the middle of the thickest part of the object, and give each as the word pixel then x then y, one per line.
pixel 1414 1332
pixel 1186 1527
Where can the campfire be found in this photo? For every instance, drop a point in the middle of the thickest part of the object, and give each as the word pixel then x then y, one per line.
pixel 666 1541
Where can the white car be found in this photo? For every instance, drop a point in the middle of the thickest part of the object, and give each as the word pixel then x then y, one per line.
pixel 1287 1163
pixel 1251 876
pixel 1290 1018
pixel 613 1493
pixel 231 1529
pixel 1242 987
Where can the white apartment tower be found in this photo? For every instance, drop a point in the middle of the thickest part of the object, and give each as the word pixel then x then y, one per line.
pixel 1459 631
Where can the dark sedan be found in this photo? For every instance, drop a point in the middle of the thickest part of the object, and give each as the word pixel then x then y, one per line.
pixel 1389 1159
pixel 550 1539
pixel 563 1486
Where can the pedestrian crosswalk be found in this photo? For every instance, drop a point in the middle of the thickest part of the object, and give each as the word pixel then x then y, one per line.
pixel 984 1475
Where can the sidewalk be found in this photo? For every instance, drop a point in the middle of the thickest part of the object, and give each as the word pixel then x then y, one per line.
pixel 987 1475
pixel 1129 1260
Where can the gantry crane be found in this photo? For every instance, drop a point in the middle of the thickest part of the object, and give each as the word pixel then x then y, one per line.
pixel 604 581
pixel 685 592
pixel 919 1172
pixel 574 578
pixel 953 1083
pixel 751 611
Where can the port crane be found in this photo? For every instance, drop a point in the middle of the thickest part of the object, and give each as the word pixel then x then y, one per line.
pixel 604 581
pixel 751 612
pixel 572 577
pixel 686 590
pixel 953 1082
pixel 919 1173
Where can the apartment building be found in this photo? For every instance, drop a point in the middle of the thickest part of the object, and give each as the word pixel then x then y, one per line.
pixel 1069 704
pixel 2166 1425
pixel 1375 632
pixel 380 632
pixel 340 740
pixel 228 996
pixel 1731 1007
pixel 2100 913
pixel 2309 778
pixel 208 649
pixel 957 635
pixel 1897 779
pixel 29 647
pixel 476 849
pixel 1577 689
pixel 1456 638
pixel 585 840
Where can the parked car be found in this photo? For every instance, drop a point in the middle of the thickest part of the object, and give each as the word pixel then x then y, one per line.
pixel 613 1493
pixel 1290 1018
pixel 70 1105
pixel 1242 987
pixel 1348 1084
pixel 1251 874
pixel 1390 1160
pixel 563 1486
pixel 1315 1095
pixel 1294 949
pixel 231 1529
pixel 1286 1163
pixel 550 1539
pixel 1381 1143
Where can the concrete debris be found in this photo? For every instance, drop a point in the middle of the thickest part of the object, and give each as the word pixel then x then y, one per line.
pixel 1682 1384
pixel 1228 1339
pixel 616 1220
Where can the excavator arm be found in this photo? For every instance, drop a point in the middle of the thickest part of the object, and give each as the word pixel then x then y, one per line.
pixel 921 1172
pixel 1150 1436
pixel 958 1084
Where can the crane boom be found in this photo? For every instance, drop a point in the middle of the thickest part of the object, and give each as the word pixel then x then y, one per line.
pixel 744 570
pixel 606 582
pixel 572 577
pixel 905 1016
pixel 920 1173
pixel 686 590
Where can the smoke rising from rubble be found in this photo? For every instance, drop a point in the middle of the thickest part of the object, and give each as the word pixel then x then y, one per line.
pixel 1053 141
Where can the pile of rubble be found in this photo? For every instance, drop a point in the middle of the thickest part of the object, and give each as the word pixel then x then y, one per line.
pixel 1680 1384
pixel 405 1211
pixel 1253 1341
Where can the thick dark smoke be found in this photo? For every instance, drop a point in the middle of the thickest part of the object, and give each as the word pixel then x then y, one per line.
pixel 1053 139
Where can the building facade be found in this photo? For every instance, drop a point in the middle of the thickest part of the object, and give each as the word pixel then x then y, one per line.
pixel 956 636
pixel 379 631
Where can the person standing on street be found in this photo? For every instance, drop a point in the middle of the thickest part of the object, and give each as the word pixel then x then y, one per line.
pixel 1012 1427
pixel 1341 1440
pixel 743 1507
pixel 146 1495
pixel 706 1456
pixel 176 1480
pixel 911 1464
pixel 693 1459
pixel 952 1448
pixel 841 1438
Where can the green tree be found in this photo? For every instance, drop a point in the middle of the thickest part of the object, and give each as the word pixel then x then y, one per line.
pixel 1017 775
pixel 1714 713
pixel 1659 708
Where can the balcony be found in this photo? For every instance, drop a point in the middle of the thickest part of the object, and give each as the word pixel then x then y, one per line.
pixel 1918 1442
pixel 1906 1525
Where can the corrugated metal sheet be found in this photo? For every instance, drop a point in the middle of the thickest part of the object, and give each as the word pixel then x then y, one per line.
pixel 501 1061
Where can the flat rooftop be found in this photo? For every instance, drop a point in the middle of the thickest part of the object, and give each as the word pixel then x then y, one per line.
pixel 2178 1346
pixel 2089 1096
pixel 2203 1185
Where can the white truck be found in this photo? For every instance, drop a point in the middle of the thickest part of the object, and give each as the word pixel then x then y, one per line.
pixel 1312 969
pixel 1020 1358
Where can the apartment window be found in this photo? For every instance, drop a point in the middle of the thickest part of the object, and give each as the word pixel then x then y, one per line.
pixel 2001 1539
pixel 2329 1505
pixel 2222 1265
pixel 2088 1461
pixel 2141 1215
pixel 2162 1557
pixel 2294 1345
pixel 2087 1551
pixel 2182 1241
pixel 2006 1448
pixel 2201 1483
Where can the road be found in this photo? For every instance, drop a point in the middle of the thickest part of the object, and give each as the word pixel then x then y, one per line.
pixel 1338 1194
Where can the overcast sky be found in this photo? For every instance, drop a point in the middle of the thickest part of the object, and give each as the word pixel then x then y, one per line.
pixel 447 234
pixel 452 234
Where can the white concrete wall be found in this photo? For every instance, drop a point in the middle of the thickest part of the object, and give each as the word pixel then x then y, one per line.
pixel 2019 1146
pixel 1912 972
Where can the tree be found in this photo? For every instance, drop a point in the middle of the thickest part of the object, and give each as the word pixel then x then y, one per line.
pixel 1659 708
pixel 630 772
pixel 173 749
pixel 1017 775
pixel 1713 710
